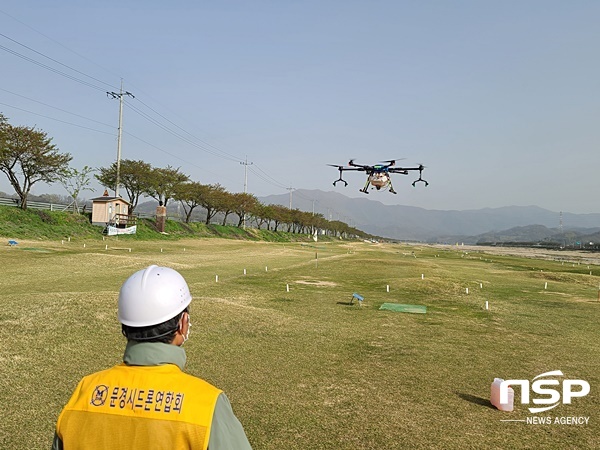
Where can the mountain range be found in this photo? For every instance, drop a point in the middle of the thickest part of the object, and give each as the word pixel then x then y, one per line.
pixel 510 223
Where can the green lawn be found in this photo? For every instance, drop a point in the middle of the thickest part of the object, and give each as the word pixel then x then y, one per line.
pixel 304 369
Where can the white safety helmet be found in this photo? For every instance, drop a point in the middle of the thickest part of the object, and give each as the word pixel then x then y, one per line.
pixel 152 296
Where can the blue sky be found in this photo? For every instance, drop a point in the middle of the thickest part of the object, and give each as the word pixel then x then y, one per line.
pixel 499 100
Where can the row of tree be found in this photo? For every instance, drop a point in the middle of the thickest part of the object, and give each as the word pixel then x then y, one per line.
pixel 27 156
pixel 139 179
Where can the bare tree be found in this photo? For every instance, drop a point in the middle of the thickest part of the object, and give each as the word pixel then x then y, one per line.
pixel 76 181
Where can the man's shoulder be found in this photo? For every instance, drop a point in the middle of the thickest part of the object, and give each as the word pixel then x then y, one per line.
pixel 197 382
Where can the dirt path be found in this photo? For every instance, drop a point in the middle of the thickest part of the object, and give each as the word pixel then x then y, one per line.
pixel 537 253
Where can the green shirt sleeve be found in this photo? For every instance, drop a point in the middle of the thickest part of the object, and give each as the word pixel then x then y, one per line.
pixel 226 431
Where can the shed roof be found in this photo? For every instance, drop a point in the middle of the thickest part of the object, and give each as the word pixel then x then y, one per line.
pixel 105 198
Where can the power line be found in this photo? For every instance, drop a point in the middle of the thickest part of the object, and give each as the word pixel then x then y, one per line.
pixel 55 119
pixel 54 107
pixel 58 43
pixel 176 134
pixel 51 69
pixel 170 154
pixel 54 60
pixel 215 152
pixel 265 176
pixel 231 157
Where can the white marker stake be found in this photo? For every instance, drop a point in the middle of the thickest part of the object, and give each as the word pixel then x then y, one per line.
pixel 467 290
pixel 266 269
pixel 287 288
pixel 244 271
pixel 388 288
pixel 106 247
pixel 161 250
pixel 487 306
pixel 480 285
pixel 62 242
pixel 216 278
pixel 83 245
pixel 422 276
pixel 129 250
pixel 69 238
pixel 546 285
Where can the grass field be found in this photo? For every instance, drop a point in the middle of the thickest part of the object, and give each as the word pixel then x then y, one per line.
pixel 304 369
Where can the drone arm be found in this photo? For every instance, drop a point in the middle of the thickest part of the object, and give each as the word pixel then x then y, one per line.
pixel 359 166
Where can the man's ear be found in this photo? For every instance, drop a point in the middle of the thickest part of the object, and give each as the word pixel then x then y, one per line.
pixel 184 323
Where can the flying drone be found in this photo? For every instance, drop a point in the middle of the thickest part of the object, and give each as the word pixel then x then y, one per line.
pixel 378 176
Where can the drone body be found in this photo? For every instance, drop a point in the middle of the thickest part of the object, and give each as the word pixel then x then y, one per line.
pixel 378 176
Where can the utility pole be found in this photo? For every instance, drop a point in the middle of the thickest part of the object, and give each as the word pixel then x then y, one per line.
pixel 246 164
pixel 290 189
pixel 120 97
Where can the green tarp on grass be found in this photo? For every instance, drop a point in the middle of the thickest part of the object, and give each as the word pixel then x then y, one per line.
pixel 397 307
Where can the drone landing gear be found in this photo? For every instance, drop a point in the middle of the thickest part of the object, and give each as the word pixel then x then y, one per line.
pixel 340 179
pixel 366 187
pixel 420 177
pixel 420 180
pixel 391 188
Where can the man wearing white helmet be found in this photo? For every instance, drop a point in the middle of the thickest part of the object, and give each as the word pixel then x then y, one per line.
pixel 148 402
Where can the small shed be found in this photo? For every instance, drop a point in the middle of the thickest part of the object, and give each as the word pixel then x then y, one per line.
pixel 109 210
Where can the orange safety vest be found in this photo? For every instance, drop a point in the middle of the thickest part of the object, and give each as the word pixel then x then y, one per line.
pixel 139 407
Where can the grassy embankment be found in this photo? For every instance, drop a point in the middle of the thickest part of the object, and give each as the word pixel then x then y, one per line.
pixel 40 225
pixel 303 368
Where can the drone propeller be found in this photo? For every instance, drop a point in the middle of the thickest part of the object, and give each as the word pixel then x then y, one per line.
pixel 335 165
pixel 393 161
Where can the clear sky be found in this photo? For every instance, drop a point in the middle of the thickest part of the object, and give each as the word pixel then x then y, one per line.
pixel 499 99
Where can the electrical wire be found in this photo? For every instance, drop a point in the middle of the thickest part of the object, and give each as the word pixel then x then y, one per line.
pixel 228 155
pixel 58 43
pixel 55 119
pixel 58 109
pixel 266 177
pixel 176 134
pixel 169 153
pixel 205 147
pixel 54 60
pixel 51 69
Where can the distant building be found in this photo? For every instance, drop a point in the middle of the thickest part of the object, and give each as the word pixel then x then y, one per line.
pixel 113 214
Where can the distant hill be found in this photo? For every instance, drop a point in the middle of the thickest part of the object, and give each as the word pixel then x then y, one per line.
pixel 506 224
pixel 413 223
